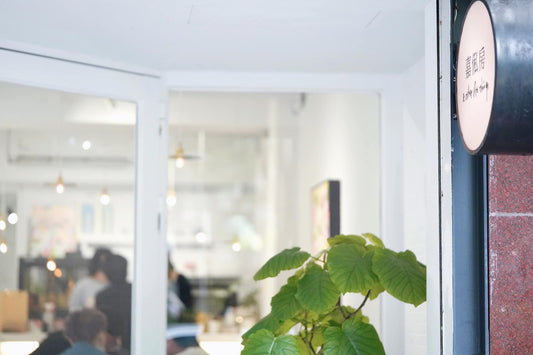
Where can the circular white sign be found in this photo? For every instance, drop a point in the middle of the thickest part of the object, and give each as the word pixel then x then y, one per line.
pixel 476 71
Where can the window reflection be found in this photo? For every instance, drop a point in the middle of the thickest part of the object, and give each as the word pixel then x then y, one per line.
pixel 66 190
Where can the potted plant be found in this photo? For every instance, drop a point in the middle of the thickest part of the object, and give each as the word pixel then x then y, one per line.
pixel 307 316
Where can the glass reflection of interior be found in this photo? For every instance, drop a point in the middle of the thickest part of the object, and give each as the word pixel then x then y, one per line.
pixel 66 189
pixel 241 168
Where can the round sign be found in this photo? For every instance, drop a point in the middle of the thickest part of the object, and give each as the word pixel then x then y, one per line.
pixel 476 70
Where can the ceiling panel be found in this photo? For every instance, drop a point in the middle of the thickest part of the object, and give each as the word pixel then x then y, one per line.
pixel 234 35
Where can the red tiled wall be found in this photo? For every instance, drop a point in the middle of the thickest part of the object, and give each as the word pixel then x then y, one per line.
pixel 511 254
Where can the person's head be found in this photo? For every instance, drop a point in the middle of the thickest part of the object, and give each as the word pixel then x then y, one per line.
pixel 172 273
pixel 101 255
pixel 116 269
pixel 87 325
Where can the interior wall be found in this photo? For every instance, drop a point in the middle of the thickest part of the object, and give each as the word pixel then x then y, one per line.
pixel 339 139
pixel 414 192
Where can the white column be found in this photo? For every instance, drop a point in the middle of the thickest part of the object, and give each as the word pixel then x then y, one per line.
pixel 446 296
pixel 392 310
pixel 149 287
pixel 432 182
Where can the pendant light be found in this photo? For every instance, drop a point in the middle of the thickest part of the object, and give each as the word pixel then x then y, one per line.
pixel 3 224
pixel 60 186
pixel 180 158
pixel 236 244
pixel 12 217
pixel 171 198
pixel 3 246
pixel 105 199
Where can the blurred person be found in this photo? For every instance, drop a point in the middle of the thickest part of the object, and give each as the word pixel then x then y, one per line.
pixel 180 286
pixel 86 329
pixel 84 292
pixel 53 344
pixel 115 302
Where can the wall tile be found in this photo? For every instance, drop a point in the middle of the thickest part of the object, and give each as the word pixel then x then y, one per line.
pixel 511 254
pixel 511 184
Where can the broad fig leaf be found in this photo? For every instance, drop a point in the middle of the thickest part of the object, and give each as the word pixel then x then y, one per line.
pixel 316 291
pixel 269 322
pixel 376 290
pixel 318 337
pixel 284 303
pixel 374 240
pixel 341 239
pixel 264 342
pixel 354 338
pixel 350 268
pixel 287 259
pixel 401 275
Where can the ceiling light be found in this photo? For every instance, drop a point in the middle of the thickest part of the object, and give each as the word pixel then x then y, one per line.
pixel 60 186
pixel 51 265
pixel 3 224
pixel 86 145
pixel 171 198
pixel 3 247
pixel 58 273
pixel 105 198
pixel 12 217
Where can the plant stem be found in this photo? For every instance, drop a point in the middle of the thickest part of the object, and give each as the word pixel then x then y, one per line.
pixel 361 306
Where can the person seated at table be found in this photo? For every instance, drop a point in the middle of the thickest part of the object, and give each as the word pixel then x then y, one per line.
pixel 53 344
pixel 86 329
pixel 115 302
pixel 85 290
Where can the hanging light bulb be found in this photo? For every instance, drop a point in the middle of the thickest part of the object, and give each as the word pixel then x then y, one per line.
pixel 3 224
pixel 60 186
pixel 171 198
pixel 180 158
pixel 51 265
pixel 12 217
pixel 236 245
pixel 3 247
pixel 105 199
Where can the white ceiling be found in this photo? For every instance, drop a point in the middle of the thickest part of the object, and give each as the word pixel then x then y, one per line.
pixel 231 35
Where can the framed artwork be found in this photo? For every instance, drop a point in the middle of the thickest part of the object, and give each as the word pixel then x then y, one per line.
pixel 52 231
pixel 325 213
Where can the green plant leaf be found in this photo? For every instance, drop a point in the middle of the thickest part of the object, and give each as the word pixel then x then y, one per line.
pixel 376 290
pixel 287 259
pixel 354 338
pixel 284 303
pixel 374 240
pixel 318 337
pixel 316 291
pixel 350 268
pixel 401 275
pixel 341 239
pixel 269 322
pixel 264 342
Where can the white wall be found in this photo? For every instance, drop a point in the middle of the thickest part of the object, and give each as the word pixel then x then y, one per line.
pixel 339 139
pixel 414 192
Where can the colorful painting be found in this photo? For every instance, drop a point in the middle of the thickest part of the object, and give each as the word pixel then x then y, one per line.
pixel 52 231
